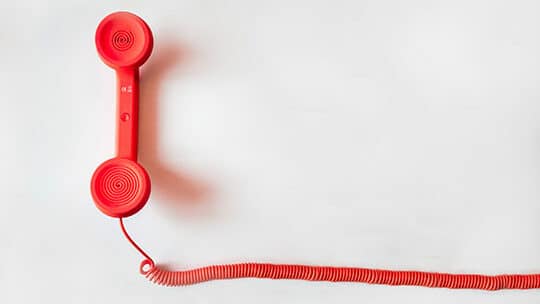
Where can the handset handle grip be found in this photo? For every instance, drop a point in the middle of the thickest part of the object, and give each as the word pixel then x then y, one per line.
pixel 127 114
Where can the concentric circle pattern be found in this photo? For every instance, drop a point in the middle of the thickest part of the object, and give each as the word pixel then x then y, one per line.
pixel 120 187
pixel 119 184
pixel 122 40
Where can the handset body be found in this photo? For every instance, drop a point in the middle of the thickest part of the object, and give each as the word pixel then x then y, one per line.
pixel 121 186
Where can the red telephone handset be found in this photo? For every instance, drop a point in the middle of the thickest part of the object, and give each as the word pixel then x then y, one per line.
pixel 121 186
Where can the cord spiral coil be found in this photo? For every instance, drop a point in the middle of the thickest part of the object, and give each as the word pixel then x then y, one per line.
pixel 340 274
pixel 162 276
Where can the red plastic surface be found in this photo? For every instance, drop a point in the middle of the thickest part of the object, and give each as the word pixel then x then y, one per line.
pixel 120 186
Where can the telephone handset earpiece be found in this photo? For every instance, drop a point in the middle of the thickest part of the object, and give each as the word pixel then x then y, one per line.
pixel 121 186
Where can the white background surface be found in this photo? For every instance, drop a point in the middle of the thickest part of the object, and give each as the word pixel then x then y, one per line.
pixel 388 134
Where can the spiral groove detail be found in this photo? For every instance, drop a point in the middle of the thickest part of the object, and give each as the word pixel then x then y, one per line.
pixel 119 184
pixel 122 40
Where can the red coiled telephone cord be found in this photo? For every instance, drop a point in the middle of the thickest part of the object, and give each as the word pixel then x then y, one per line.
pixel 165 277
